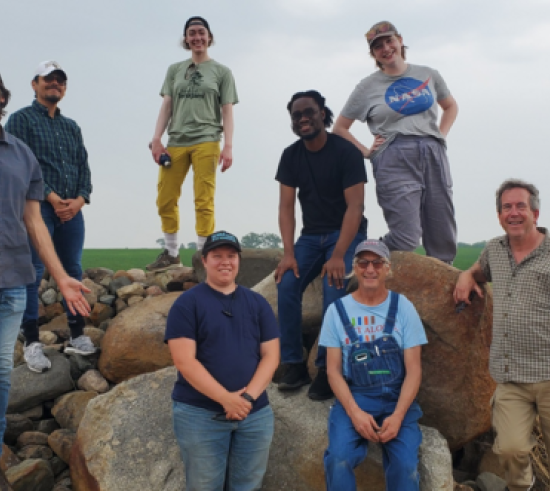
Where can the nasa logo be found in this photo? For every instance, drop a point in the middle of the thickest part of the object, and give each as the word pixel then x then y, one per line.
pixel 409 96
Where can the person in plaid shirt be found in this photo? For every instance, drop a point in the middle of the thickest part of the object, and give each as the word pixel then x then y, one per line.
pixel 518 265
pixel 57 143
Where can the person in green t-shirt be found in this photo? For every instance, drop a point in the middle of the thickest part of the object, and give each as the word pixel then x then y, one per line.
pixel 198 95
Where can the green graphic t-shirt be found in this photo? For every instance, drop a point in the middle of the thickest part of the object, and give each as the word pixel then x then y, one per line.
pixel 198 92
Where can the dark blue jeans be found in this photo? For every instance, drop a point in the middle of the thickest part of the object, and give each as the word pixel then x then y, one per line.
pixel 311 252
pixel 68 240
pixel 347 448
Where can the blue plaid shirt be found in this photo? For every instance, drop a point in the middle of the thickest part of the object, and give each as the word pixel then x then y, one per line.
pixel 57 144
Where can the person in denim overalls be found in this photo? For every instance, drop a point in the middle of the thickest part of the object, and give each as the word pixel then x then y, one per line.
pixel 373 339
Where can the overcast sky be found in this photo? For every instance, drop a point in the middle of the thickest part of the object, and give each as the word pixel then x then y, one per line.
pixel 493 54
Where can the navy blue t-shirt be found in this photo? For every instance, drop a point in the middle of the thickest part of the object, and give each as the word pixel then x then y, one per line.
pixel 321 178
pixel 228 347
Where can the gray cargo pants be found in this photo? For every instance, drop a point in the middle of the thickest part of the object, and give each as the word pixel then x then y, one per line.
pixel 414 190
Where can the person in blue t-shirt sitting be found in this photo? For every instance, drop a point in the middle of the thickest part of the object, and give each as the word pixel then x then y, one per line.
pixel 224 340
pixel 373 339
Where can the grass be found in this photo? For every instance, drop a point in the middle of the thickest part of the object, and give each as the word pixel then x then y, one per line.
pixel 126 259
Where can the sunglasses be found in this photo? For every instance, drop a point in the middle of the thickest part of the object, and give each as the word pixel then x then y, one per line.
pixel 60 79
pixel 379 29
pixel 376 263
pixel 306 113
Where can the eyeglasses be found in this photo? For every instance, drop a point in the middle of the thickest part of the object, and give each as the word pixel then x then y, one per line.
pixel 58 78
pixel 377 29
pixel 306 113
pixel 376 263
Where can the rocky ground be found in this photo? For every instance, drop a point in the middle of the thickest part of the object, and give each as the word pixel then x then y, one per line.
pixel 104 422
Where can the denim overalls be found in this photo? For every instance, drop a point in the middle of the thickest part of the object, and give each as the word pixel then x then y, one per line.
pixel 375 374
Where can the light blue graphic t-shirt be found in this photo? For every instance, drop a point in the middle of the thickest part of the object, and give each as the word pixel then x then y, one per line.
pixel 369 324
pixel 405 104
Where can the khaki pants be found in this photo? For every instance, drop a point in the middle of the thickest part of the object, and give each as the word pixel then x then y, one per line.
pixel 204 159
pixel 515 407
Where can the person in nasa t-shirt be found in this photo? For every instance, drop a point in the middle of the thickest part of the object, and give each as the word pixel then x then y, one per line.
pixel 399 102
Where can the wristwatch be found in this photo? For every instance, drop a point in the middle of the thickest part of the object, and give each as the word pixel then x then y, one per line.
pixel 248 397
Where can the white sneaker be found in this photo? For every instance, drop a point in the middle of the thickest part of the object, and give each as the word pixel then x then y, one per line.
pixel 35 358
pixel 82 345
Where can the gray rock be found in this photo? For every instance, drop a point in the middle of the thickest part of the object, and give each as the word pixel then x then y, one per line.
pixel 47 426
pixel 92 380
pixel 255 265
pixel 97 274
pixel 119 283
pixel 34 413
pixel 137 274
pixel 28 389
pixel 134 289
pixel 35 452
pixel 79 365
pixel 16 424
pixel 57 465
pixel 487 481
pixel 49 297
pixel 107 300
pixel 31 475
pixel 109 432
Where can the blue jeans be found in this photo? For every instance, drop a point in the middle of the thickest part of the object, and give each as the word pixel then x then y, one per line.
pixel 12 306
pixel 218 452
pixel 68 240
pixel 311 253
pixel 347 448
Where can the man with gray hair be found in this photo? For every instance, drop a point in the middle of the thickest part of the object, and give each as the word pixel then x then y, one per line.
pixel 518 265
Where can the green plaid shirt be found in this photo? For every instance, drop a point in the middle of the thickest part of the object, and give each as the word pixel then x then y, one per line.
pixel 520 349
pixel 57 144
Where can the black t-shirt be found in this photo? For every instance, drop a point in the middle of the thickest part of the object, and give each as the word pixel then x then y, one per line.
pixel 321 178
pixel 228 347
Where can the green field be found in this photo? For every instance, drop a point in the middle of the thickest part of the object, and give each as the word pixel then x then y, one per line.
pixel 126 259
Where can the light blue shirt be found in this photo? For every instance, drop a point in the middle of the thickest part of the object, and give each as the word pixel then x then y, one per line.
pixel 369 324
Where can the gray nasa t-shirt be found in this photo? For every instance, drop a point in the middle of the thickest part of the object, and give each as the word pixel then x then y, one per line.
pixel 399 105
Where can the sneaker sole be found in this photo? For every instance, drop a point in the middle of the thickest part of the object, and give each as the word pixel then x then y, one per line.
pixel 284 386
pixel 75 351
pixel 164 268
pixel 36 370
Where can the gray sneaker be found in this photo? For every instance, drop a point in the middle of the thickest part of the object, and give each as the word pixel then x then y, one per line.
pixel 82 345
pixel 35 358
pixel 164 261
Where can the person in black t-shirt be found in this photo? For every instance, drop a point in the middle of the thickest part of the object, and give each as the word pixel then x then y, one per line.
pixel 330 176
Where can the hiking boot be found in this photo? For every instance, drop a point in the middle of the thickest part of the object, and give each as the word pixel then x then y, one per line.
pixel 4 483
pixel 164 261
pixel 82 345
pixel 35 358
pixel 320 389
pixel 296 375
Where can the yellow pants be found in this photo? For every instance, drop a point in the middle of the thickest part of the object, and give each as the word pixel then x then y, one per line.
pixel 204 159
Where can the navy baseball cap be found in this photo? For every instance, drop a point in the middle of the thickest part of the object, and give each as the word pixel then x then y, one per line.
pixel 218 239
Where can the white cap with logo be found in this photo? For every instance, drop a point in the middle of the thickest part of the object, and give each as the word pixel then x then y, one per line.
pixel 47 67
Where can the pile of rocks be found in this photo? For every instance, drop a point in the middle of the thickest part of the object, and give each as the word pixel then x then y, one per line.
pixel 108 417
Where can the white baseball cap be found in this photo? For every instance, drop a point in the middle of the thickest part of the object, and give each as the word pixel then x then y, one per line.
pixel 47 67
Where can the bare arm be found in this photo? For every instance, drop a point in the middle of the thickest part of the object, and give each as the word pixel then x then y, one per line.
pixel 467 281
pixel 165 113
pixel 226 155
pixel 335 267
pixel 342 126
pixel 409 390
pixel 362 421
pixel 40 237
pixel 287 225
pixel 183 351
pixel 450 111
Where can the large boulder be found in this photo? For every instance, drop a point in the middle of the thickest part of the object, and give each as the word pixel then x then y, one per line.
pixel 28 389
pixel 118 448
pixel 134 343
pixel 312 301
pixel 456 386
pixel 255 265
